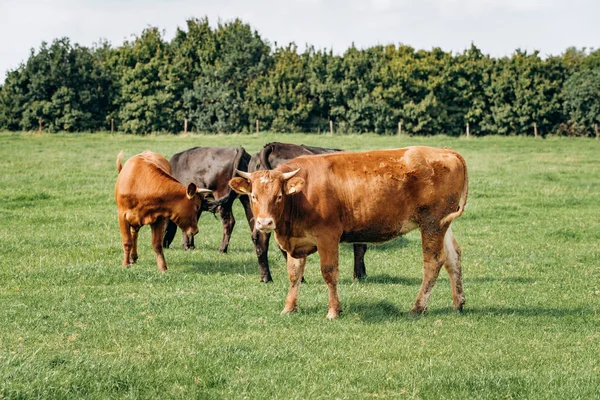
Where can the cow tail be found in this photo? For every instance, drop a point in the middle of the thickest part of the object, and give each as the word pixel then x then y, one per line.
pixel 463 197
pixel 119 159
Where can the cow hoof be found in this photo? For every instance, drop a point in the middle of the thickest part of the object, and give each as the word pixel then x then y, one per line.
pixel 288 310
pixel 266 280
pixel 417 311
pixel 459 308
pixel 333 314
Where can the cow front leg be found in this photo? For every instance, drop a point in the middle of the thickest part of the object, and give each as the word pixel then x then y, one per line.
pixel 453 266
pixel 433 259
pixel 295 267
pixel 158 231
pixel 360 271
pixel 228 221
pixel 261 246
pixel 329 255
pixel 170 232
pixel 134 242
pixel 126 240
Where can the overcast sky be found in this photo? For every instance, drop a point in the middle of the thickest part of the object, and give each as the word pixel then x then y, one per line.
pixel 497 27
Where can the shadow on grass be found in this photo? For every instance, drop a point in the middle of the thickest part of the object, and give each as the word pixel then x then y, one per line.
pixel 512 279
pixel 384 279
pixel 397 243
pixel 384 311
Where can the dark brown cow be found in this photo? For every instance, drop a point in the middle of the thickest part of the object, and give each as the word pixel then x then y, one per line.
pixel 271 156
pixel 146 194
pixel 212 168
pixel 313 203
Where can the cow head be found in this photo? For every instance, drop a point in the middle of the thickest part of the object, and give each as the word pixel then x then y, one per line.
pixel 187 216
pixel 268 192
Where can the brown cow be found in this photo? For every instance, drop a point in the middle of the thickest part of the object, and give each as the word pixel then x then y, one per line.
pixel 147 194
pixel 313 203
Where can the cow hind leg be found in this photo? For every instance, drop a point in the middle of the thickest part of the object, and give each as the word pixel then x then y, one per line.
pixel 295 267
pixel 433 259
pixel 453 266
pixel 158 231
pixel 228 221
pixel 126 239
pixel 360 271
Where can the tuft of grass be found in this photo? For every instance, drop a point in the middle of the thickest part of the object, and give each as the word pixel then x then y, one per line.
pixel 76 325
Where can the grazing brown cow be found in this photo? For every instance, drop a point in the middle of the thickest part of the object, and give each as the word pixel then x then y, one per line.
pixel 147 194
pixel 313 203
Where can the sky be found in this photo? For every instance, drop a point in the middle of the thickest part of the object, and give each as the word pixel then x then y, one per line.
pixel 497 27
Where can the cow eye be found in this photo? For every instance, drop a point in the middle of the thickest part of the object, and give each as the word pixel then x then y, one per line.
pixel 253 197
pixel 279 196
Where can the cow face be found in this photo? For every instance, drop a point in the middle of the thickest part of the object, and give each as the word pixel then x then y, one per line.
pixel 268 192
pixel 187 219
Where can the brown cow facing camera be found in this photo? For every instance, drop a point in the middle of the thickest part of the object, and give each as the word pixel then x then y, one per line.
pixel 147 194
pixel 312 203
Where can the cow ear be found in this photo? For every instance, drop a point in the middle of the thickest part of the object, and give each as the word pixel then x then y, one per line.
pixel 294 185
pixel 240 185
pixel 191 190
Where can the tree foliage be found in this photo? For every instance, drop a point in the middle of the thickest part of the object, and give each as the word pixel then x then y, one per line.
pixel 224 78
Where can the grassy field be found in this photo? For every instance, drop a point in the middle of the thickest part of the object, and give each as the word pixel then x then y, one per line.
pixel 73 324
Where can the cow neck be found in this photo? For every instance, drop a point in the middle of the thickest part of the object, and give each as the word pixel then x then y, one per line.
pixel 291 216
pixel 174 193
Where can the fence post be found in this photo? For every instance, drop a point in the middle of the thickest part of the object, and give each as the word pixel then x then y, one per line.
pixel 185 126
pixel 257 130
pixel 40 125
pixel 535 132
pixel 331 127
pixel 399 128
pixel 468 132
pixel 112 126
pixel 596 129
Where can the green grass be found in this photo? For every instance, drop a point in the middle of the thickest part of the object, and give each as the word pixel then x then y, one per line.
pixel 73 324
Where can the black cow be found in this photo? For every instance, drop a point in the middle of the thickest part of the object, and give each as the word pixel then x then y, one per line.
pixel 211 168
pixel 270 157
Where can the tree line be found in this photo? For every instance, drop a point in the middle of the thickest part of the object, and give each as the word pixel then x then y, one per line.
pixel 223 79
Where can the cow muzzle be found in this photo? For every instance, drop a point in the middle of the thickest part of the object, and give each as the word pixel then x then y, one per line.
pixel 191 232
pixel 265 225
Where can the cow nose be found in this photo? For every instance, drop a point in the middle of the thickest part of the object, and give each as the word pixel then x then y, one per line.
pixel 265 224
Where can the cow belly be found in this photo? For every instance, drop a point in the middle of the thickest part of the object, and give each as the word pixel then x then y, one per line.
pixel 377 233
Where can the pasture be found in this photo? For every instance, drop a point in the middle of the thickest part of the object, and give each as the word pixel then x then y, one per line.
pixel 73 324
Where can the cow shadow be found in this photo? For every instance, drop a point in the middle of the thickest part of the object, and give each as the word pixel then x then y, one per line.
pixel 384 279
pixel 397 243
pixel 385 312
pixel 220 267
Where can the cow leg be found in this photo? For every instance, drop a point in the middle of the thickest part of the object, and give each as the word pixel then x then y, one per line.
pixel 170 232
pixel 228 221
pixel 261 246
pixel 433 259
pixel 133 257
pixel 360 271
pixel 295 268
pixel 329 255
pixel 453 265
pixel 158 231
pixel 248 211
pixel 126 239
